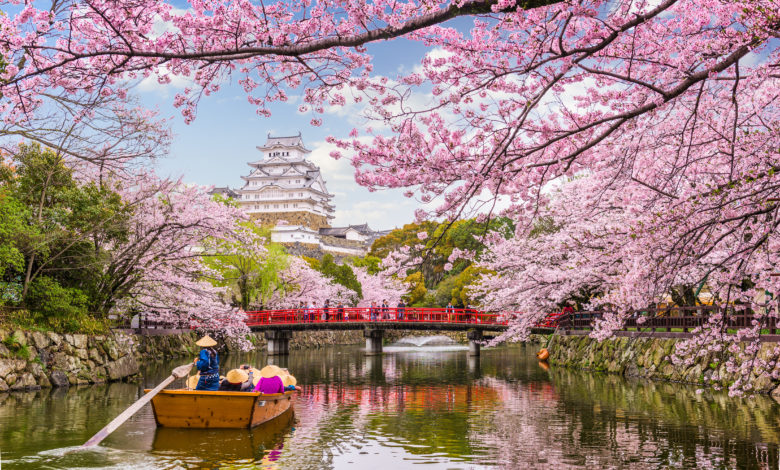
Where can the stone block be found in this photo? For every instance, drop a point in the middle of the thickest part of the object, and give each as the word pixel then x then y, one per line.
pixel 26 382
pixel 65 362
pixel 41 340
pixel 4 352
pixel 59 379
pixel 122 368
pixel 10 379
pixel 79 341
pixel 82 354
pixel 111 349
pixel 20 337
pixel 95 356
pixel 35 369
pixel 8 366
pixel 44 382
pixel 55 339
pixel 3 386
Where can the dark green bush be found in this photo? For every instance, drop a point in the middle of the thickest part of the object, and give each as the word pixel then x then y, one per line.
pixel 62 308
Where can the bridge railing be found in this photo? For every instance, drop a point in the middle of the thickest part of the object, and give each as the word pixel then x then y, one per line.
pixel 677 319
pixel 368 314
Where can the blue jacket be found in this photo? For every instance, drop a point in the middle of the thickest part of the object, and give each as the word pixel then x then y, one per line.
pixel 208 362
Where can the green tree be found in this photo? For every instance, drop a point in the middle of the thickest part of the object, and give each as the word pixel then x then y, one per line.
pixel 340 274
pixel 249 264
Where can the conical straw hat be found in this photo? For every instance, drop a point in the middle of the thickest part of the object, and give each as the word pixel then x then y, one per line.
pixel 192 382
pixel 255 375
pixel 206 342
pixel 237 376
pixel 288 380
pixel 271 370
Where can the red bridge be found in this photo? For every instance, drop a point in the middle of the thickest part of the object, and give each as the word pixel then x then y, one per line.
pixel 279 324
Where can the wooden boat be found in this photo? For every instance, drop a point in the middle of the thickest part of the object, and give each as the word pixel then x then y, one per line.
pixel 233 443
pixel 202 409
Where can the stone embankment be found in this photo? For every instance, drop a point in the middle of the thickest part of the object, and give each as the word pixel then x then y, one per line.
pixel 32 359
pixel 650 358
pixel 37 359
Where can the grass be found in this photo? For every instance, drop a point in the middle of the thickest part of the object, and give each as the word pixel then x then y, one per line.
pixel 32 321
pixel 14 344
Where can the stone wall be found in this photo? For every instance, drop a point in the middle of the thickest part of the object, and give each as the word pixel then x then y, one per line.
pixel 49 359
pixel 649 358
pixel 308 219
pixel 61 360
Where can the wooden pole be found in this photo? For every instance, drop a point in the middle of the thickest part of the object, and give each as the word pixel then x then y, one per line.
pixel 178 373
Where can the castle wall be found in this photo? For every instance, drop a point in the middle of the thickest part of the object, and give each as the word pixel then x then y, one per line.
pixel 307 219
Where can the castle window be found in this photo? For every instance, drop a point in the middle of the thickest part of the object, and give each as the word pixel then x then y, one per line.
pixel 266 206
pixel 276 206
pixel 295 205
pixel 297 181
pixel 285 206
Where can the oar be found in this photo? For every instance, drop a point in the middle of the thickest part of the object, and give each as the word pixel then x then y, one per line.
pixel 178 373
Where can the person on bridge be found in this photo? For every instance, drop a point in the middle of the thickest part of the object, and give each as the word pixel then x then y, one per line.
pixel 373 312
pixel 340 312
pixel 326 310
pixel 450 311
pixel 207 364
pixel 385 310
pixel 399 310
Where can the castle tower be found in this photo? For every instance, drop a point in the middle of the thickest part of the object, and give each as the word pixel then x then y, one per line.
pixel 284 186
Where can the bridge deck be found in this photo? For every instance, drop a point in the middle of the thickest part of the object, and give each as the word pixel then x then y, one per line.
pixel 391 318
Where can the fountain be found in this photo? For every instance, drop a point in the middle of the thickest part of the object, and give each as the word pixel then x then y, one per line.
pixel 436 342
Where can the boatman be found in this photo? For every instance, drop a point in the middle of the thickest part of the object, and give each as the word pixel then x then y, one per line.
pixel 207 364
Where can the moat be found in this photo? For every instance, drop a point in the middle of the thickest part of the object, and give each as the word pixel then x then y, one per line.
pixel 428 406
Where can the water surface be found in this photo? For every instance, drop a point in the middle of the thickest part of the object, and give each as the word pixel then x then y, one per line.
pixel 415 407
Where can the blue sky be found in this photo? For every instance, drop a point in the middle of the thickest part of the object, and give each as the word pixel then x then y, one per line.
pixel 215 148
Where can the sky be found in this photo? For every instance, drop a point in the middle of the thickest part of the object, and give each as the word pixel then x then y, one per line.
pixel 215 148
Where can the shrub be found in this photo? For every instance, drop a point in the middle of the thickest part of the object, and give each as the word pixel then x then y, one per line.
pixel 49 298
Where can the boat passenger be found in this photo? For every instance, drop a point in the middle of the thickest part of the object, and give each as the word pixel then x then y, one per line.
pixel 207 364
pixel 238 380
pixel 271 381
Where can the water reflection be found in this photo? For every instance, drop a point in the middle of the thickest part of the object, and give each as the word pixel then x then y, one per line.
pixel 443 409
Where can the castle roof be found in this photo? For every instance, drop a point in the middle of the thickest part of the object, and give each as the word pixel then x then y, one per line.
pixel 284 141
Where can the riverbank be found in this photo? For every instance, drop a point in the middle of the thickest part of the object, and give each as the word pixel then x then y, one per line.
pixel 31 360
pixel 650 358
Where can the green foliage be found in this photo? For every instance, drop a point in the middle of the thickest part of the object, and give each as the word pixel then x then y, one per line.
pixel 340 274
pixel 48 298
pixel 417 290
pixel 17 347
pixel 441 285
pixel 13 215
pixel 252 273
pixel 371 263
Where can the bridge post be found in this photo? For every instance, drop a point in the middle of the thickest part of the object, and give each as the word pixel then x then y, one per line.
pixel 373 341
pixel 474 337
pixel 278 342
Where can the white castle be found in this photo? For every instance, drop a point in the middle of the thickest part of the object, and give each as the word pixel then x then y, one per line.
pixel 286 191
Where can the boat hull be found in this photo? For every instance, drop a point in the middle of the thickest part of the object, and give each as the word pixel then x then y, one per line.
pixel 203 409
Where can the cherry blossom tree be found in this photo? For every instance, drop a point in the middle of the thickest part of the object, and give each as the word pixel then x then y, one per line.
pixel 378 287
pixel 669 107
pixel 302 283
pixel 159 269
